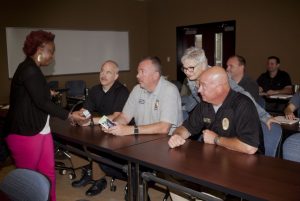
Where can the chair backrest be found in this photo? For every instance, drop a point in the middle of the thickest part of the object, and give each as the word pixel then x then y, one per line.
pixel 75 87
pixel 272 138
pixel 25 184
pixel 53 84
pixel 291 148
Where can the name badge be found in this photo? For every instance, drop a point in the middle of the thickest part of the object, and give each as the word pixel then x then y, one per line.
pixel 206 120
pixel 156 105
pixel 141 101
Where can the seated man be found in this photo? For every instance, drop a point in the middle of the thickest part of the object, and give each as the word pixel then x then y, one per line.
pixel 107 98
pixel 225 117
pixel 274 80
pixel 154 104
pixel 293 105
pixel 236 65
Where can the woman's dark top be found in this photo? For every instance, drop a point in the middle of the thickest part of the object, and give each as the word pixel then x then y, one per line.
pixel 30 101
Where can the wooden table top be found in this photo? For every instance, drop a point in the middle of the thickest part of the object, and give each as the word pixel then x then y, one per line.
pixel 253 177
pixel 93 137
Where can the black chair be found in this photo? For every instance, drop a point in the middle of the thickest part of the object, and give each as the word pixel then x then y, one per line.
pixel 57 99
pixel 62 154
pixel 53 84
pixel 76 92
pixel 63 160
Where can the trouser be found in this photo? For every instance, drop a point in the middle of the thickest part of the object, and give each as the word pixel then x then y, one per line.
pixel 35 153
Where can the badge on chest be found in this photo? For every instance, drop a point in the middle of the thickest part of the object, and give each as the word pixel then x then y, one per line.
pixel 225 123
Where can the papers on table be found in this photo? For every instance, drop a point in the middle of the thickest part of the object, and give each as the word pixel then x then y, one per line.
pixel 283 120
pixel 5 107
pixel 281 96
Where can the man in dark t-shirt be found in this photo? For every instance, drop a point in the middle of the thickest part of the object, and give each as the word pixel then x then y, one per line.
pixel 274 81
pixel 107 98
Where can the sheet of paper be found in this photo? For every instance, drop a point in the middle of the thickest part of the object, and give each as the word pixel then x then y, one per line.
pixel 281 96
pixel 283 120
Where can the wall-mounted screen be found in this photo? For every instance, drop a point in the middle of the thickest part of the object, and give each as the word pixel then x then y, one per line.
pixel 76 51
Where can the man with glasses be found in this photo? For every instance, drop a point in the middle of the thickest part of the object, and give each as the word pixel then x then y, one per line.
pixel 194 63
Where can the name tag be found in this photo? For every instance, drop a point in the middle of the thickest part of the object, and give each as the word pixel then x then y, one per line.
pixel 141 101
pixel 156 105
pixel 207 120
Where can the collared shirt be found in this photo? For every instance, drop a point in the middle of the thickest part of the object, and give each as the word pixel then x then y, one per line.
pixel 236 117
pixel 161 105
pixel 251 86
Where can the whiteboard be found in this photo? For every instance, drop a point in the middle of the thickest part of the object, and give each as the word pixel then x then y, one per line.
pixel 76 51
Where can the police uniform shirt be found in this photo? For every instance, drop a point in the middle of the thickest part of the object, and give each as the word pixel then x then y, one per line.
pixel 163 104
pixel 236 117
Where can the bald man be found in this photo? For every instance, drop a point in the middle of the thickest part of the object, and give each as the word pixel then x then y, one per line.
pixel 106 98
pixel 109 97
pixel 225 117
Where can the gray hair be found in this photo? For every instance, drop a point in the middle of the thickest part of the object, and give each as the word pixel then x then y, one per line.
pixel 196 54
pixel 155 62
pixel 114 63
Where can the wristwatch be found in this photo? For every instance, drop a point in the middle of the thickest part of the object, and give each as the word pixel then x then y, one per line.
pixel 136 130
pixel 216 140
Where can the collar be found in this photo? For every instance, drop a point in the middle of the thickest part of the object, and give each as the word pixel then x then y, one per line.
pixel 116 85
pixel 158 86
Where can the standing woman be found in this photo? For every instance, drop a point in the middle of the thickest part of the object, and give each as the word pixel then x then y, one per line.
pixel 29 137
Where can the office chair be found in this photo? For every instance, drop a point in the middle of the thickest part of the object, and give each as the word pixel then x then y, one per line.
pixel 62 154
pixel 25 184
pixel 53 85
pixel 291 148
pixel 76 92
pixel 272 139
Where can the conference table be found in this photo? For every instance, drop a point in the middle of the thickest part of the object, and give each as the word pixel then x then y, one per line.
pixel 93 140
pixel 251 177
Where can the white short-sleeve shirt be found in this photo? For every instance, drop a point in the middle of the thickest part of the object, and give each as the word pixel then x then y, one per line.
pixel 163 104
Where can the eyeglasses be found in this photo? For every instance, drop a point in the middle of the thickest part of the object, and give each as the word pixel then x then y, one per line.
pixel 188 69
